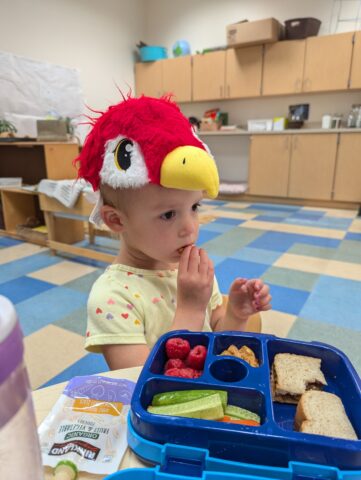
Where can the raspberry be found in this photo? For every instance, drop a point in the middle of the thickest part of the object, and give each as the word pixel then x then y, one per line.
pixel 180 372
pixel 172 372
pixel 197 357
pixel 197 373
pixel 177 348
pixel 186 372
pixel 174 363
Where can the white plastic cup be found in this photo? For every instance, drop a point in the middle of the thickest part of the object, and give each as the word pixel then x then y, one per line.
pixel 326 121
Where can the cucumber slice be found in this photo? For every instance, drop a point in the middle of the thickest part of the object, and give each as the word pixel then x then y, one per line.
pixel 241 413
pixel 181 396
pixel 208 408
pixel 65 470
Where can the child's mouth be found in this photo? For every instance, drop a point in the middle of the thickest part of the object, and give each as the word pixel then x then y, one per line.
pixel 181 249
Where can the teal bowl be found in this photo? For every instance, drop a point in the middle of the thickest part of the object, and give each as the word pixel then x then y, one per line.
pixel 152 53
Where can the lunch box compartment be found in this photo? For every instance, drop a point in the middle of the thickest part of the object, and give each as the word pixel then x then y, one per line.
pixel 340 376
pixel 228 370
pixel 160 358
pixel 224 341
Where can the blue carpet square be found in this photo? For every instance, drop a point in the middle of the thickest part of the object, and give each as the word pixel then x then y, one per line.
pixel 308 215
pixel 353 236
pixel 269 218
pixel 275 207
pixel 48 307
pixel 287 300
pixel 230 221
pixel 281 242
pixel 22 288
pixel 325 222
pixel 257 255
pixel 205 235
pixel 230 269
pixel 90 364
pixel 8 242
pixel 335 301
pixel 26 265
pixel 218 227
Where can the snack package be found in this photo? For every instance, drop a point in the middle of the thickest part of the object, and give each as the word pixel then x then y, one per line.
pixel 87 424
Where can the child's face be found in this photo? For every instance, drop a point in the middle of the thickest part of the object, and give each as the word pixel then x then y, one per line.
pixel 159 222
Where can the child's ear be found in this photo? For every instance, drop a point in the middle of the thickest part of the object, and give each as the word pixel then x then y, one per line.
pixel 112 218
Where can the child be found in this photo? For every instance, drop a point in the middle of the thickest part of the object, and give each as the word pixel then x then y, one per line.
pixel 151 171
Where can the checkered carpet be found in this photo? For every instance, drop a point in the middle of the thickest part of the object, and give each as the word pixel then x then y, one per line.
pixel 310 257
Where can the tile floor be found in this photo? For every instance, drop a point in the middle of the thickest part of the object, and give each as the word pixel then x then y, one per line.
pixel 310 257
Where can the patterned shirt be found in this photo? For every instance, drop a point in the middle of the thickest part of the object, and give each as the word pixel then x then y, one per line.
pixel 134 306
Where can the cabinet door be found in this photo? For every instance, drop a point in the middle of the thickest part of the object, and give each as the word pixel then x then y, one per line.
pixel 348 168
pixel 59 160
pixel 327 62
pixel 312 166
pixel 355 79
pixel 269 165
pixel 177 78
pixel 148 79
pixel 208 76
pixel 283 67
pixel 243 72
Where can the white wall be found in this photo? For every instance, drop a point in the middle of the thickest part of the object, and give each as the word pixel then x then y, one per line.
pixel 97 37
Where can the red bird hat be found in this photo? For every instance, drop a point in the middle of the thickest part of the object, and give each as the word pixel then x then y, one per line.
pixel 146 140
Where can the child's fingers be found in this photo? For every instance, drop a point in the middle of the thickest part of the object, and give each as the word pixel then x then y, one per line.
pixel 262 293
pixel 184 260
pixel 210 272
pixel 203 262
pixel 239 284
pixel 264 301
pixel 193 262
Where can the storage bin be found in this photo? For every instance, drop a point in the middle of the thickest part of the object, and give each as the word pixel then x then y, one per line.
pixel 298 28
pixel 152 53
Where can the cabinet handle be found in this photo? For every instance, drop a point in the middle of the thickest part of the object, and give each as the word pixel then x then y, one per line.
pixel 221 91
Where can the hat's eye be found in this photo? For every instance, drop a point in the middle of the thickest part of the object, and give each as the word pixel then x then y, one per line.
pixel 122 154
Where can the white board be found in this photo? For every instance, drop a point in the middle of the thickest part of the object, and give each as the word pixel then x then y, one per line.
pixel 30 87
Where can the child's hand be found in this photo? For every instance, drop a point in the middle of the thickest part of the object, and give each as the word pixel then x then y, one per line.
pixel 247 297
pixel 195 280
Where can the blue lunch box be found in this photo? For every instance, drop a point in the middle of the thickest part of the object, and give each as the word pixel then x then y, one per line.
pixel 187 447
pixel 152 53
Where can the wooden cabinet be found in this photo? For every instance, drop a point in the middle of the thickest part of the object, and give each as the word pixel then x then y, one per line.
pixel 33 161
pixel 312 166
pixel 177 78
pixel 243 72
pixel 149 79
pixel 208 76
pixel 348 168
pixel 269 165
pixel 283 67
pixel 355 78
pixel 172 75
pixel 327 62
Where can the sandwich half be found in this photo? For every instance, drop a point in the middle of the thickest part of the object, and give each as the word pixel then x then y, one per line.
pixel 292 375
pixel 323 413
